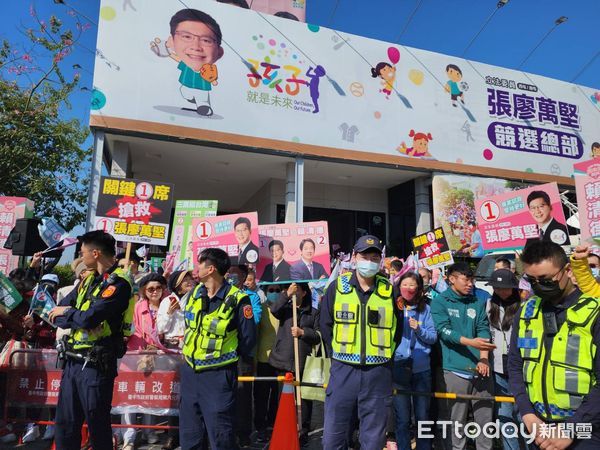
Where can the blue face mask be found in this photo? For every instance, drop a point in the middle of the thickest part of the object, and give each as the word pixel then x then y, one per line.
pixel 272 296
pixel 596 272
pixel 367 269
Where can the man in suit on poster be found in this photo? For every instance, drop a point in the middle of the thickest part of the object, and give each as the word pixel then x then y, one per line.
pixel 279 269
pixel 550 229
pixel 306 269
pixel 248 251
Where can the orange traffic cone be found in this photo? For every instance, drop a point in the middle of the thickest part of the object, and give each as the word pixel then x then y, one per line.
pixel 285 431
pixel 84 436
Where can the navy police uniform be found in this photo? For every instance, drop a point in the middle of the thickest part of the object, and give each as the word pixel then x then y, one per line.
pixel 219 331
pixel 356 325
pixel 86 388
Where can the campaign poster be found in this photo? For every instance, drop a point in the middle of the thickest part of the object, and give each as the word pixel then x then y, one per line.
pixel 432 249
pixel 511 220
pixel 237 234
pixel 11 209
pixel 181 233
pixel 294 252
pixel 587 186
pixel 137 211
pixel 454 199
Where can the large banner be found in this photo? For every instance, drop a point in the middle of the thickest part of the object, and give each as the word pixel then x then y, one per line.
pixel 587 185
pixel 181 233
pixel 237 234
pixel 294 251
pixel 289 9
pixel 198 71
pixel 454 208
pixel 134 210
pixel 11 209
pixel 510 220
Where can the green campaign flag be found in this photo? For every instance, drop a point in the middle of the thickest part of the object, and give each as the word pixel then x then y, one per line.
pixel 9 296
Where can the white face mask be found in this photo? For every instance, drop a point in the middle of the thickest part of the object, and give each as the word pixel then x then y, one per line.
pixel 596 272
pixel 367 269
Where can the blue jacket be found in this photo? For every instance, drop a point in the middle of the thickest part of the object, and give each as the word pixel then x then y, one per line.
pixel 416 344
pixel 256 305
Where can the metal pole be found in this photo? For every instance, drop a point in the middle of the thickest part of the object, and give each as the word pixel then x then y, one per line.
pixel 95 173
pixel 299 192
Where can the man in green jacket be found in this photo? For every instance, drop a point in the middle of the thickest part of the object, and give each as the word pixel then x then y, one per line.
pixel 464 333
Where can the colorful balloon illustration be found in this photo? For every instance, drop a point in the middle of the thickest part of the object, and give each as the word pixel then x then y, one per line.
pixel 394 55
pixel 416 76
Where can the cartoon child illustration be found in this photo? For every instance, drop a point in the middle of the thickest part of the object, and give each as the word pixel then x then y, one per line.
pixel 195 44
pixel 387 73
pixel 420 147
pixel 314 75
pixel 596 150
pixel 452 86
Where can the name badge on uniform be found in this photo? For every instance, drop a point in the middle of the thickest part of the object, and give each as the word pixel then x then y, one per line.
pixel 344 315
pixel 527 343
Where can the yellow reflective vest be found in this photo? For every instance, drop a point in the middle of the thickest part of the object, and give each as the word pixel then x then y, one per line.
pixel 363 334
pixel 557 381
pixel 87 294
pixel 208 342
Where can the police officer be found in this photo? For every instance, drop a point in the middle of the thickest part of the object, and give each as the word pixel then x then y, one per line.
pixel 360 327
pixel 219 331
pixel 553 362
pixel 95 312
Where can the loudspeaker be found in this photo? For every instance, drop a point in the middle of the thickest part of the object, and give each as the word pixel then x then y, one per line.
pixel 24 239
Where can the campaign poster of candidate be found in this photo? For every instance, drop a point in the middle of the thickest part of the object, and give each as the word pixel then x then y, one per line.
pixel 587 186
pixel 294 251
pixel 181 233
pixel 11 209
pixel 511 220
pixel 237 234
pixel 432 249
pixel 136 211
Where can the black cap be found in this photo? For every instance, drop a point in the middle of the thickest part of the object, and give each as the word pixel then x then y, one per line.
pixel 503 278
pixel 368 242
pixel 153 276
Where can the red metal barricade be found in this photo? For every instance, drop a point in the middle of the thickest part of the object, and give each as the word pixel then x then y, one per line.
pixel 148 382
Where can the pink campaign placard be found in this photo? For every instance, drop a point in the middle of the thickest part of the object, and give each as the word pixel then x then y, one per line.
pixel 237 234
pixel 281 258
pixel 510 220
pixel 587 187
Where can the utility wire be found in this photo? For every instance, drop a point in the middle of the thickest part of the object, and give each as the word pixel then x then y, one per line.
pixel 585 67
pixel 410 18
pixel 330 21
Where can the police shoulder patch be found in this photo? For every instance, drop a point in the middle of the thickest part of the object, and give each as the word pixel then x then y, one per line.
pixel 110 290
pixel 248 314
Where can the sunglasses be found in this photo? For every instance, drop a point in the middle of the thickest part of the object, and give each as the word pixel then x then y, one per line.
pixel 274 290
pixel 546 281
pixel 154 289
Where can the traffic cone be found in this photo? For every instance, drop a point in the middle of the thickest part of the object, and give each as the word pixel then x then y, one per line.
pixel 285 431
pixel 84 436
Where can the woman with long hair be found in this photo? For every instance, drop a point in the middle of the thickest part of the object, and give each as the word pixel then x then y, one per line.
pixel 412 370
pixel 501 310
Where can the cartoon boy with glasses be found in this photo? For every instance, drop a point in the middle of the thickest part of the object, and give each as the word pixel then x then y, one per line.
pixel 195 43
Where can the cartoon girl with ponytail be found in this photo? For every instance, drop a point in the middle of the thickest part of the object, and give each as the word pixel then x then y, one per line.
pixel 387 73
pixel 420 147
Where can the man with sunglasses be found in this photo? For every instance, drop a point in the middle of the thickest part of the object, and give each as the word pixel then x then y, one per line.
pixel 552 363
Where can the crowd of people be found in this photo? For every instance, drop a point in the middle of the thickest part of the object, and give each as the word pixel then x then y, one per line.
pixel 395 334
